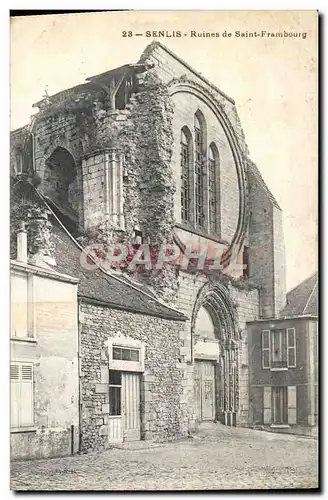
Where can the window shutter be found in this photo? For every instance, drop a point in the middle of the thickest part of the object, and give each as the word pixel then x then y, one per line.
pixel 21 399
pixel 267 405
pixel 291 348
pixel 14 395
pixel 26 409
pixel 291 400
pixel 266 354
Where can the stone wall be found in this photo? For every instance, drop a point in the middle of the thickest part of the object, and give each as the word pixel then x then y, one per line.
pixel 163 409
pixel 168 66
pixel 279 262
pixel 246 300
pixel 261 263
pixel 266 248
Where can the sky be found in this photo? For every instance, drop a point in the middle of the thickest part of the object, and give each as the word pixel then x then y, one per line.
pixel 273 81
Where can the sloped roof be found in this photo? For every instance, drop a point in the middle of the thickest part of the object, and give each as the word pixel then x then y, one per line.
pixel 99 286
pixel 257 174
pixel 303 299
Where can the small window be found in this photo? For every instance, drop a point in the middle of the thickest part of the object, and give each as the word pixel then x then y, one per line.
pixel 115 377
pixel 115 390
pixel 266 358
pixel 279 349
pixel 276 346
pixel 138 237
pixel 291 348
pixel 245 263
pixel 125 354
pixel 117 353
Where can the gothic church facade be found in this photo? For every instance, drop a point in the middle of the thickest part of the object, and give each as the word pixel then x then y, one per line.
pixel 149 154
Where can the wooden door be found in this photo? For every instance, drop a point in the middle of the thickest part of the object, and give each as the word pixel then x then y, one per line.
pixel 208 391
pixel 131 406
pixel 205 390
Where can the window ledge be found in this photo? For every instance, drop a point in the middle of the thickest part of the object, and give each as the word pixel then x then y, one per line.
pixel 30 340
pixel 283 369
pixel 16 430
pixel 279 426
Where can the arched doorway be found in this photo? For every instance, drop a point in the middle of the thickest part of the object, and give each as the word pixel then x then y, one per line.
pixel 60 182
pixel 206 355
pixel 215 353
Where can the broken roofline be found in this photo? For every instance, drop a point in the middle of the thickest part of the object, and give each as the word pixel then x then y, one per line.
pixel 138 67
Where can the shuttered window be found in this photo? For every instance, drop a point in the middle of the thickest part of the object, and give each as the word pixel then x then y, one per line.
pixel 291 348
pixel 279 348
pixel 21 396
pixel 266 354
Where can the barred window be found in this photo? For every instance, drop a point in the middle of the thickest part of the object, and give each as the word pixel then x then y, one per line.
pixel 185 173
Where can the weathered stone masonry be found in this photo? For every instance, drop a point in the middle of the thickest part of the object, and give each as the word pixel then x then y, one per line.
pixel 163 411
pixel 111 170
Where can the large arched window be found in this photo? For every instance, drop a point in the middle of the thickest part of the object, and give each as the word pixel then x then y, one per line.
pixel 186 162
pixel 200 148
pixel 200 163
pixel 213 165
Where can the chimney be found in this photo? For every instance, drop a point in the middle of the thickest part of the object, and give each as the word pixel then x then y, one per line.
pixel 22 244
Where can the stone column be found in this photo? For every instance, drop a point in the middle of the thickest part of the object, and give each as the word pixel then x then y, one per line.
pixel 103 188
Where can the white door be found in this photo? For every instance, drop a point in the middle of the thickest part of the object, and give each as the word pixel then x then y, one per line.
pixel 131 406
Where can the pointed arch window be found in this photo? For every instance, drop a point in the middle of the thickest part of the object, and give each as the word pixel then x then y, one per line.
pixel 200 141
pixel 213 165
pixel 186 162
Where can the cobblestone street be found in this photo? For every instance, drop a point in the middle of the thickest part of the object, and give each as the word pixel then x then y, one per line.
pixel 218 457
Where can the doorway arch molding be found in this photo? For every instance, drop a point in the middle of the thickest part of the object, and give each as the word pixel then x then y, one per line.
pixel 216 299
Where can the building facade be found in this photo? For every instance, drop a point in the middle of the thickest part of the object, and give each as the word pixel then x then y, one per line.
pixel 142 156
pixel 283 355
pixel 44 378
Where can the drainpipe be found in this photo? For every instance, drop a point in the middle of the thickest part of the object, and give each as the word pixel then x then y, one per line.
pixel 72 439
